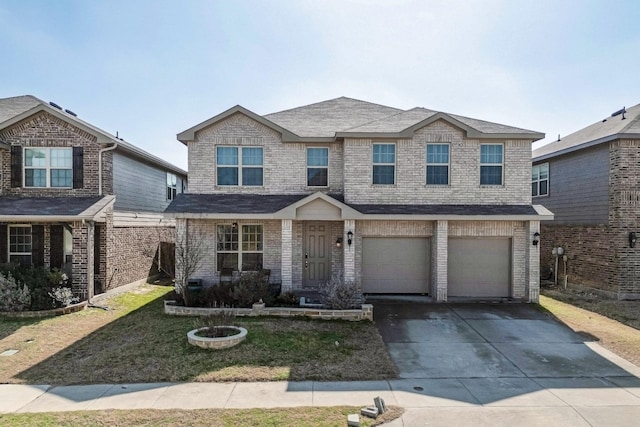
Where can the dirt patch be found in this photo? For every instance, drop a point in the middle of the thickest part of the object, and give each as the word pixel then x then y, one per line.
pixel 613 324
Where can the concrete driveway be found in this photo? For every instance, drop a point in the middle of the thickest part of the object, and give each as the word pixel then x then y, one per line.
pixel 485 341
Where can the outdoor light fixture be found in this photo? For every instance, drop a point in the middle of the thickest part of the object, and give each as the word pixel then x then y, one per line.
pixel 632 239
pixel 339 242
pixel 349 237
pixel 234 225
pixel 536 238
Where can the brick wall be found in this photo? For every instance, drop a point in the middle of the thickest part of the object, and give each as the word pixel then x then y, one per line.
pixel 464 171
pixel 45 130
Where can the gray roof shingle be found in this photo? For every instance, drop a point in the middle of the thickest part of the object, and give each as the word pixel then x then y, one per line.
pixel 267 204
pixel 597 132
pixel 46 206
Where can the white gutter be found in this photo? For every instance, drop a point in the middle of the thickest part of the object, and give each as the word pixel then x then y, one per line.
pixel 113 147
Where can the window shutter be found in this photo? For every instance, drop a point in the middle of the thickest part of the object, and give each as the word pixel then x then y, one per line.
pixel 57 246
pixel 16 166
pixel 4 242
pixel 78 170
pixel 37 245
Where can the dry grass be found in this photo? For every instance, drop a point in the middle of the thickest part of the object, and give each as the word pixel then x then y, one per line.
pixel 307 417
pixel 135 342
pixel 615 324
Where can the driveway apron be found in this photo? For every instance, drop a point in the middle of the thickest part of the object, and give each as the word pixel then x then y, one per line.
pixel 484 341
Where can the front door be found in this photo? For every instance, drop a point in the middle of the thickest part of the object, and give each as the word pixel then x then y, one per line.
pixel 317 254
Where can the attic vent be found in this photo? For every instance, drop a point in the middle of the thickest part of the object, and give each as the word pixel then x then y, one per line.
pixel 54 105
pixel 621 111
pixel 71 113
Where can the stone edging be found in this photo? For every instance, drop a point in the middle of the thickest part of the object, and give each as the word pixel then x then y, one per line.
pixel 364 313
pixel 217 343
pixel 45 313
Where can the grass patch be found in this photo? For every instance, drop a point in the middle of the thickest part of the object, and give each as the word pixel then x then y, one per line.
pixel 307 417
pixel 583 318
pixel 135 341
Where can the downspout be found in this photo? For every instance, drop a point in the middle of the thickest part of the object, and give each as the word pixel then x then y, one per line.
pixel 112 147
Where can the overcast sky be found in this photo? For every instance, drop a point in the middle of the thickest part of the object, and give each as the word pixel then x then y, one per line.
pixel 149 69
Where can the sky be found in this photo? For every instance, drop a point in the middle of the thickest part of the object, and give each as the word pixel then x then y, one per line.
pixel 149 69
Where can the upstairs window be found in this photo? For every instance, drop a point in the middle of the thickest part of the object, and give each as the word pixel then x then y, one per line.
pixel 239 248
pixel 20 244
pixel 172 186
pixel 540 180
pixel 491 164
pixel 384 164
pixel 437 164
pixel 48 167
pixel 239 166
pixel 317 167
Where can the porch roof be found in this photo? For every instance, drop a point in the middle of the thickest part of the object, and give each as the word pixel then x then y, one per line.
pixel 48 209
pixel 225 206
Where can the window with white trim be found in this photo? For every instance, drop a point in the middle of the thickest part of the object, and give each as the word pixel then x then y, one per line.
pixel 437 164
pixel 48 167
pixel 491 164
pixel 239 248
pixel 20 244
pixel 384 164
pixel 239 166
pixel 540 180
pixel 172 186
pixel 317 167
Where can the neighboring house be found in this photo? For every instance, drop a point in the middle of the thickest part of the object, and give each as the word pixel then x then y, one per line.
pixel 589 179
pixel 399 201
pixel 77 198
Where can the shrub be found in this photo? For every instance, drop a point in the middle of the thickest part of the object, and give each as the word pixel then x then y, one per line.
pixel 63 296
pixel 287 299
pixel 14 295
pixel 251 288
pixel 39 280
pixel 215 322
pixel 220 295
pixel 340 295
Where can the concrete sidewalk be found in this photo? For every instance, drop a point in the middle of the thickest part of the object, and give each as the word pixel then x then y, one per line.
pixel 469 401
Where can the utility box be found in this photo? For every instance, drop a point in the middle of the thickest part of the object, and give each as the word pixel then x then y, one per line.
pixel 194 284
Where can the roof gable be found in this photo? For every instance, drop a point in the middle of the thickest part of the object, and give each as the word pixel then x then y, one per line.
pixel 609 129
pixel 189 134
pixel 16 109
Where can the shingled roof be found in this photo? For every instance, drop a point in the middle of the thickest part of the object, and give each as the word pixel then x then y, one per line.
pixel 346 117
pixel 625 125
pixel 17 108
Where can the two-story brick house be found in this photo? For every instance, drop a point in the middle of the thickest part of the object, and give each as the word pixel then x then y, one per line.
pixel 590 180
pixel 399 201
pixel 75 197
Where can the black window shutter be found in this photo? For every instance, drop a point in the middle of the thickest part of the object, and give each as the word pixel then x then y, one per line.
pixel 16 166
pixel 3 243
pixel 37 245
pixel 57 246
pixel 78 170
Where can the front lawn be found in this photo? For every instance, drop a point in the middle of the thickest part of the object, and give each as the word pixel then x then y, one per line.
pixel 134 341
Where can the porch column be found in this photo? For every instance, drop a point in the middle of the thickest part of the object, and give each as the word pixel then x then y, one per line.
pixel 350 251
pixel 440 261
pixel 533 263
pixel 287 255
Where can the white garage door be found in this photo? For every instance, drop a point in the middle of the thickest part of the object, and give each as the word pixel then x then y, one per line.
pixel 479 267
pixel 396 265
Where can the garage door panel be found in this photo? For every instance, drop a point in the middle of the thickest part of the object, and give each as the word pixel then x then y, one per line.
pixel 396 265
pixel 479 267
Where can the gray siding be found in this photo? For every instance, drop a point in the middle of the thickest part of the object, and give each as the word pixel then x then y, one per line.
pixel 139 186
pixel 579 187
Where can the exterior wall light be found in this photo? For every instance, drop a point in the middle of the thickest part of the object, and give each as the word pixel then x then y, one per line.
pixel 234 225
pixel 536 238
pixel 339 242
pixel 349 237
pixel 632 239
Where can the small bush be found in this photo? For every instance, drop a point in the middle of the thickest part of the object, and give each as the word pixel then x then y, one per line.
pixel 63 296
pixel 250 289
pixel 340 295
pixel 287 299
pixel 14 295
pixel 215 322
pixel 220 295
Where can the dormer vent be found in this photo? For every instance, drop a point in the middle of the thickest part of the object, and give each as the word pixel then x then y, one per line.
pixel 71 113
pixel 54 105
